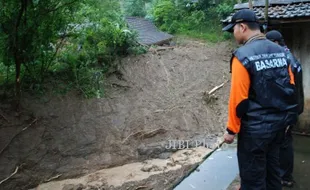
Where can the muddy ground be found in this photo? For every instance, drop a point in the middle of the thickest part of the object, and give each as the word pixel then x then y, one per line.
pixel 155 174
pixel 160 97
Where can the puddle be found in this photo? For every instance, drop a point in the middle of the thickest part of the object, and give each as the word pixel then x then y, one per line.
pixel 215 173
pixel 221 168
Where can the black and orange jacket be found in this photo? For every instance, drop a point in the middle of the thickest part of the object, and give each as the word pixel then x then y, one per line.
pixel 240 92
pixel 297 70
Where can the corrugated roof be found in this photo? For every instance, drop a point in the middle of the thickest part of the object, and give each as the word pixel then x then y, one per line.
pixel 285 11
pixel 261 3
pixel 148 33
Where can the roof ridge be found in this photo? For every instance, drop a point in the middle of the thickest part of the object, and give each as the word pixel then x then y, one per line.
pixel 280 11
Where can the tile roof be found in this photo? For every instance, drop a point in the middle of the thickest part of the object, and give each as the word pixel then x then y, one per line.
pixel 261 3
pixel 148 33
pixel 284 11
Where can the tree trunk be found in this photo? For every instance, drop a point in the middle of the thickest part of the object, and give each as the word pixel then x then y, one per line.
pixel 250 4
pixel 17 81
pixel 16 48
pixel 266 13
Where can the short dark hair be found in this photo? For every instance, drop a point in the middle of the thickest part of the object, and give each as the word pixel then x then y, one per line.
pixel 281 42
pixel 253 25
pixel 275 36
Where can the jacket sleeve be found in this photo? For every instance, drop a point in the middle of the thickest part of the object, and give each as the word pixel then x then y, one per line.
pixel 299 88
pixel 238 98
pixel 297 71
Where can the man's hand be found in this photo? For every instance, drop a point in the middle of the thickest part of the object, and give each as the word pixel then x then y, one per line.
pixel 229 138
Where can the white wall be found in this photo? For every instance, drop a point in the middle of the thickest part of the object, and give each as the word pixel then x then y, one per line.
pixel 300 46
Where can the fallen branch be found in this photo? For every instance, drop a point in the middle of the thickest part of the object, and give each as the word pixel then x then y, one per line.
pixel 7 145
pixel 16 170
pixel 153 133
pixel 132 134
pixel 163 48
pixel 143 134
pixel 35 120
pixel 196 118
pixel 141 187
pixel 4 118
pixel 216 88
pixel 52 178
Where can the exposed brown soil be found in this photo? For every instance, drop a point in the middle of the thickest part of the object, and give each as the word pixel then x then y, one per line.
pixel 160 97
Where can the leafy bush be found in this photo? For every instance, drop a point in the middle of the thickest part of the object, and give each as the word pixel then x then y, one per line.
pixel 199 20
pixel 195 20
pixel 73 46
pixel 92 52
pixel 223 10
pixel 78 42
pixel 166 15
pixel 135 8
pixel 29 37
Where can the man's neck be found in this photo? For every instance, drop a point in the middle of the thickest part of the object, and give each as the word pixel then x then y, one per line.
pixel 252 36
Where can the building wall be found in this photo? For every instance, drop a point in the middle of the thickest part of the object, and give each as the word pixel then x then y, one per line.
pixel 297 37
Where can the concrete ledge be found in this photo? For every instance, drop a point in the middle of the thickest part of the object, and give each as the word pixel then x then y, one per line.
pixel 234 184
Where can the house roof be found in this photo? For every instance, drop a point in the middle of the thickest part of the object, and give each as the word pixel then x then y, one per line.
pixel 148 33
pixel 261 3
pixel 278 9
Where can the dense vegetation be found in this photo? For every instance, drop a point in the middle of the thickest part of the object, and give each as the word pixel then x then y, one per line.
pixel 60 45
pixel 185 17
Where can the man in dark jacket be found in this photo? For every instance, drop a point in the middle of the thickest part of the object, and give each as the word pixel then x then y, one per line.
pixel 286 151
pixel 262 103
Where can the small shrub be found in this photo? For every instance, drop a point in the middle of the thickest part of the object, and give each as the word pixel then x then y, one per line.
pixel 198 20
pixel 223 10
pixel 95 46
pixel 135 8
pixel 166 15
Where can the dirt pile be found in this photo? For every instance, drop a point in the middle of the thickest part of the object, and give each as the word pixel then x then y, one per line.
pixel 159 97
pixel 136 174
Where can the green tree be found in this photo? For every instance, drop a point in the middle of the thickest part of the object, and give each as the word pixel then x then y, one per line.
pixel 224 9
pixel 166 15
pixel 30 33
pixel 99 40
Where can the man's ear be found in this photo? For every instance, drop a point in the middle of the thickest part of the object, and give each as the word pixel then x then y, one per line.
pixel 243 27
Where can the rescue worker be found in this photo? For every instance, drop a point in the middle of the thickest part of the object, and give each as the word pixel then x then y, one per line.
pixel 286 151
pixel 262 103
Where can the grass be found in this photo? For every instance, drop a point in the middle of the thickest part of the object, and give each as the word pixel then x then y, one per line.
pixel 208 36
pixel 212 33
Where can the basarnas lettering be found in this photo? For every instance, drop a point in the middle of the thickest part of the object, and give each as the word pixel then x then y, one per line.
pixel 270 63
